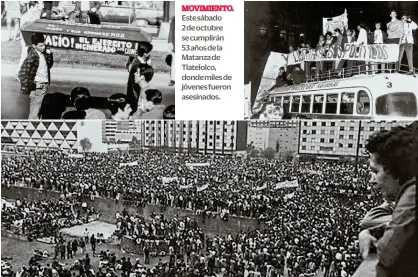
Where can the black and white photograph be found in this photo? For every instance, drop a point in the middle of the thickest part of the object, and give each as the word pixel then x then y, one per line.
pixel 208 198
pixel 87 60
pixel 331 60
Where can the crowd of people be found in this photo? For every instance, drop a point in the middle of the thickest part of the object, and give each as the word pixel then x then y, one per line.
pixel 141 101
pixel 314 229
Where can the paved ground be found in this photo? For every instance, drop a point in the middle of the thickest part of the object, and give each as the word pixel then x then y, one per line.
pixel 101 83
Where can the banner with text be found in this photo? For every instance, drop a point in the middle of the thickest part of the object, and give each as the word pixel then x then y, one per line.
pixel 329 24
pixel 97 45
pixel 350 51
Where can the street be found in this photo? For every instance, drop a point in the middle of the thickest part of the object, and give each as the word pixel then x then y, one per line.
pixel 101 83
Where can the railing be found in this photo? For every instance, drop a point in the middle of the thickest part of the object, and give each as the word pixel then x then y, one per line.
pixel 365 69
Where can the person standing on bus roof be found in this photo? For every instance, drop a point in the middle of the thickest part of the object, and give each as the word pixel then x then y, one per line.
pixel 407 42
pixel 362 41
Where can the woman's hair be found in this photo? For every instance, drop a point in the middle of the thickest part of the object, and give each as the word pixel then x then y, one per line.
pixel 169 112
pixel 79 92
pixel 396 150
pixel 74 115
pixel 117 101
pixel 144 47
pixel 154 95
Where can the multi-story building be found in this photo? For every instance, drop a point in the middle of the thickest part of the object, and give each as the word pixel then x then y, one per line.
pixel 40 135
pixel 339 138
pixel 217 137
pixel 279 135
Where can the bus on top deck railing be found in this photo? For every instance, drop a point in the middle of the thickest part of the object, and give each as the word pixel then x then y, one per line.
pixel 359 94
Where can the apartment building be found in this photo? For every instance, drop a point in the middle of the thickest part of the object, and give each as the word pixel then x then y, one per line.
pixel 216 137
pixel 279 135
pixel 339 138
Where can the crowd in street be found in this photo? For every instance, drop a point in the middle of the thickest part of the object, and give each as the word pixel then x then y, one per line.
pixel 308 228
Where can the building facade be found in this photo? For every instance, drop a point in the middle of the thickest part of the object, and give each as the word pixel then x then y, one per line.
pixel 339 138
pixel 216 137
pixel 41 135
pixel 281 136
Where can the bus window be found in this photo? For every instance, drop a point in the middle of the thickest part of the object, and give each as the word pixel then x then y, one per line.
pixel 278 100
pixel 363 102
pixel 286 104
pixel 306 104
pixel 331 105
pixel 295 104
pixel 318 103
pixel 347 103
pixel 397 104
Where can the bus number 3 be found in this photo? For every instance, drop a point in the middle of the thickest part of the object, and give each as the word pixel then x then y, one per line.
pixel 389 85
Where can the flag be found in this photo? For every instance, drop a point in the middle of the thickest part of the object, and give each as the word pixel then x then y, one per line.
pixel 329 24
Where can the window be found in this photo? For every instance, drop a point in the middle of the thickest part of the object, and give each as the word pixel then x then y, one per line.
pixel 322 140
pixel 305 123
pixel 313 132
pixel 314 123
pixel 347 103
pixel 340 145
pixel 304 140
pixel 304 132
pixel 342 128
pixel 322 132
pixel 318 104
pixel 331 140
pixel 312 147
pixel 323 124
pixel 363 103
pixel 295 104
pixel 350 145
pixel 397 104
pixel 326 148
pixel 331 105
pixel 341 136
pixel 332 132
pixel 372 129
pixel 332 124
pixel 351 128
pixel 350 137
pixel 303 147
pixel 286 104
pixel 306 104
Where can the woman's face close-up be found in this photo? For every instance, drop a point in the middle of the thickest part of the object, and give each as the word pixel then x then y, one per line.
pixel 382 179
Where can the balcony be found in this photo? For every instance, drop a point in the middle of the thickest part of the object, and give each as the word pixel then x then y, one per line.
pixel 367 267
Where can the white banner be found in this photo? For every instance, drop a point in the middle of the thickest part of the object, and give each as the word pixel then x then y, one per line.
pixel 287 184
pixel 197 164
pixel 247 101
pixel 76 156
pixel 271 70
pixel 186 187
pixel 289 196
pixel 128 164
pixel 329 24
pixel 370 53
pixel 167 180
pixel 202 188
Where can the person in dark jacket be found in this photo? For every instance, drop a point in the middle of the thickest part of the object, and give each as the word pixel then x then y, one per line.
pixel 143 57
pixel 34 74
pixel 93 243
pixel 392 163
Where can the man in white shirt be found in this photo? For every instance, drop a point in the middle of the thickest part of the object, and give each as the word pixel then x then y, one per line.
pixel 407 42
pixel 379 38
pixel 362 41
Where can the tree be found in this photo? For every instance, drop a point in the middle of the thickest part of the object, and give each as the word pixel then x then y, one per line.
pixel 269 153
pixel 287 155
pixel 86 144
pixel 254 153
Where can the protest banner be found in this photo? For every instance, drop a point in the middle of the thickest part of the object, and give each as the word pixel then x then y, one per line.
pixel 167 180
pixel 287 184
pixel 371 53
pixel 271 70
pixel 128 164
pixel 329 24
pixel 76 156
pixel 202 188
pixel 109 39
